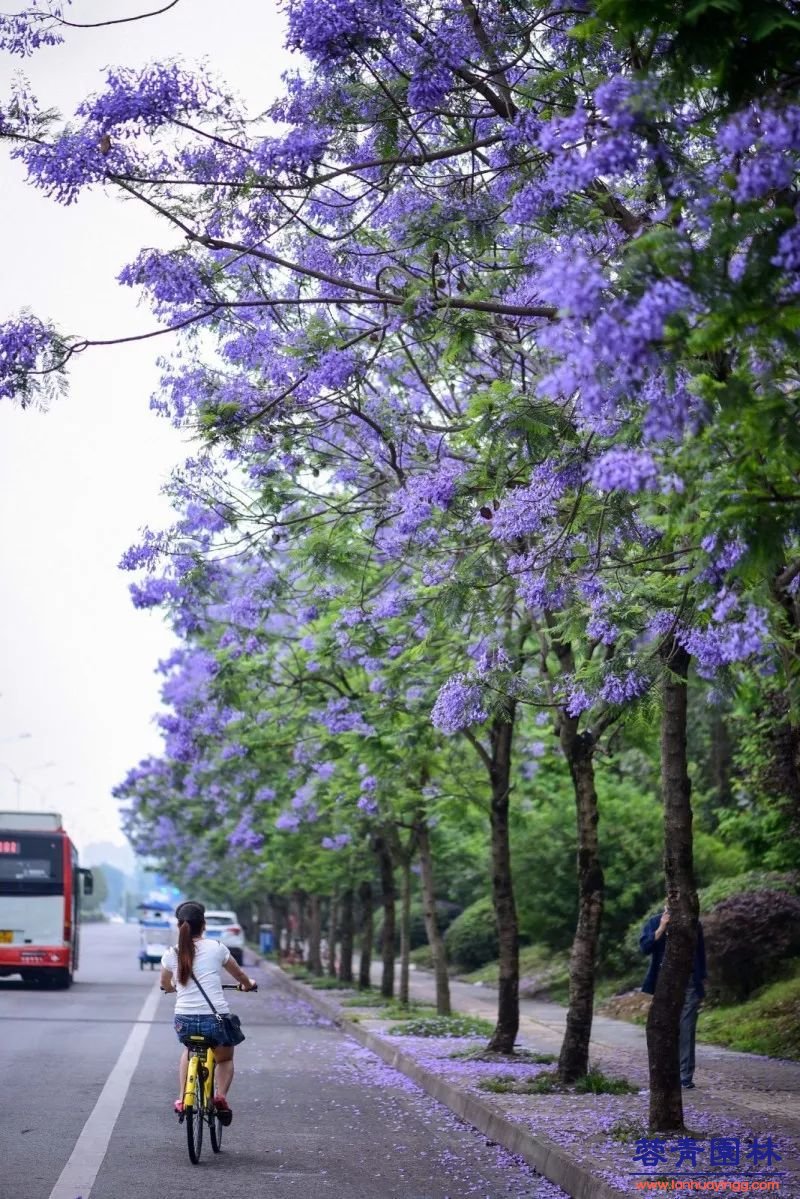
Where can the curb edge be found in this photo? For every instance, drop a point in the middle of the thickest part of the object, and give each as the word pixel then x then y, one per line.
pixel 548 1158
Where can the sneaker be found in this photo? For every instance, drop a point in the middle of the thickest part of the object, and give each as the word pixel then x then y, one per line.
pixel 177 1107
pixel 688 1086
pixel 224 1113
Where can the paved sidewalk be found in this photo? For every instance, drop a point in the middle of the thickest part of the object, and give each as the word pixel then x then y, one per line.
pixel 582 1143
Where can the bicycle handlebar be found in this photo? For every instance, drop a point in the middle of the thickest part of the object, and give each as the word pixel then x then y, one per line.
pixel 225 987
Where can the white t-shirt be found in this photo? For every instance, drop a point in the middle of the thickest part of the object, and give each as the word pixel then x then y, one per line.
pixel 209 958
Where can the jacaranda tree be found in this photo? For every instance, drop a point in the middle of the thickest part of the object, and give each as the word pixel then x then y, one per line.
pixel 503 295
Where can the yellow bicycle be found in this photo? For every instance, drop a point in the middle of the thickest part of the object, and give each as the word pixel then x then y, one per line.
pixel 198 1097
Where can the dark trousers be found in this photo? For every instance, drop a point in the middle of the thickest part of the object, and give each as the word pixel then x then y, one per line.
pixel 691 1007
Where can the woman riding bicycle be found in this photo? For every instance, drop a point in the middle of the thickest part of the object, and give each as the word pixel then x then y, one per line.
pixel 197 958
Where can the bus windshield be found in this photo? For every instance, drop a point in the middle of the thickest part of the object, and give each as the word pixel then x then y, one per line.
pixel 31 864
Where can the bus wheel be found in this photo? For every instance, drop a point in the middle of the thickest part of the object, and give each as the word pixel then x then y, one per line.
pixel 62 979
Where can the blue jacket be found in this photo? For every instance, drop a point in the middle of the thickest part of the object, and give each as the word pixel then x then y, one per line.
pixel 649 944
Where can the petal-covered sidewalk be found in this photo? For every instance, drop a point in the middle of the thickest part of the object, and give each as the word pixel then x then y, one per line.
pixel 591 1145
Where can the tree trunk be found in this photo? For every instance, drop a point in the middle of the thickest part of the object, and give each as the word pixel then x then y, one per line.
pixel 315 935
pixel 279 913
pixel 578 749
pixel 431 923
pixel 346 958
pixel 785 747
pixel 250 919
pixel 386 867
pixel 721 761
pixel 507 1027
pixel 663 1021
pixel 300 931
pixel 405 927
pixel 332 922
pixel 365 898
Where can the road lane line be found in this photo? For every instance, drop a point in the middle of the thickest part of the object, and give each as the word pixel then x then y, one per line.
pixel 77 1178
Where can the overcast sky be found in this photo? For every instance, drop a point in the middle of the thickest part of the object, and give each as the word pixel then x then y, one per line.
pixel 78 689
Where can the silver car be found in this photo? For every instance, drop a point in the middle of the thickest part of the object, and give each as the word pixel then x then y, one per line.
pixel 224 926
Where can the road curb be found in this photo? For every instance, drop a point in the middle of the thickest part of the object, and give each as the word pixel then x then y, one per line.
pixel 550 1159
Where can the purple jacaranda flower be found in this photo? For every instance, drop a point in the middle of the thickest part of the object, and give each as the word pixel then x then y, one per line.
pixel 458 705
pixel 330 30
pixel 630 470
pixel 621 688
pixel 338 841
pixel 23 33
pixel 578 701
pixel 244 836
pixel 600 628
pixel 27 346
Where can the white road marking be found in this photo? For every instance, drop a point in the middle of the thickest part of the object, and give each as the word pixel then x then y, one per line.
pixel 77 1177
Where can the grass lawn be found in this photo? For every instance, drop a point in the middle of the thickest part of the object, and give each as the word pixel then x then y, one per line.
pixel 534 962
pixel 767 1023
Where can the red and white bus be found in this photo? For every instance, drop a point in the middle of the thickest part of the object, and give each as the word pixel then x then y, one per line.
pixel 40 889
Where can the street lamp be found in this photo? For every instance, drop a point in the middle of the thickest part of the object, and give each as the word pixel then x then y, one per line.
pixel 22 780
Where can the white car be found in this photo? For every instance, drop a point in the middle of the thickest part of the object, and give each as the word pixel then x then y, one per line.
pixel 225 927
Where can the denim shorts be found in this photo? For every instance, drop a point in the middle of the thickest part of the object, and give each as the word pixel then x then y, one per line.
pixel 196 1025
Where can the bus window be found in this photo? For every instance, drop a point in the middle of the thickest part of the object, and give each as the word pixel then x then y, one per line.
pixel 31 864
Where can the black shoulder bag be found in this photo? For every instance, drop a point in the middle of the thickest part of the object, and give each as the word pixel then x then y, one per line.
pixel 230 1024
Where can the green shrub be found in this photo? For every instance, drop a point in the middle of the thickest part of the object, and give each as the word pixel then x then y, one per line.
pixel 415 1009
pixel 446 913
pixel 443 1026
pixel 545 1084
pixel 628 1129
pixel 594 1082
pixel 471 940
pixel 325 983
pixel 501 1085
pixel 507 1084
pixel 749 939
pixel 753 880
pixel 301 973
pixel 364 1000
pixel 386 1009
pixel 520 1055
pixel 631 835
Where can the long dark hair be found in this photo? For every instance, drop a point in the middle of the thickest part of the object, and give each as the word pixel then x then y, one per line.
pixel 191 917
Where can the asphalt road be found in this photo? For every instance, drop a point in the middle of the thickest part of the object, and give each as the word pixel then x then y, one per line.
pixel 315 1114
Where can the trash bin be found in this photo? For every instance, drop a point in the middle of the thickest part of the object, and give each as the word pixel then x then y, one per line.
pixel 265 939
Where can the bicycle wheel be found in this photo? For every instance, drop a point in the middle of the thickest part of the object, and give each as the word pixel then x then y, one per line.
pixel 214 1126
pixel 194 1113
